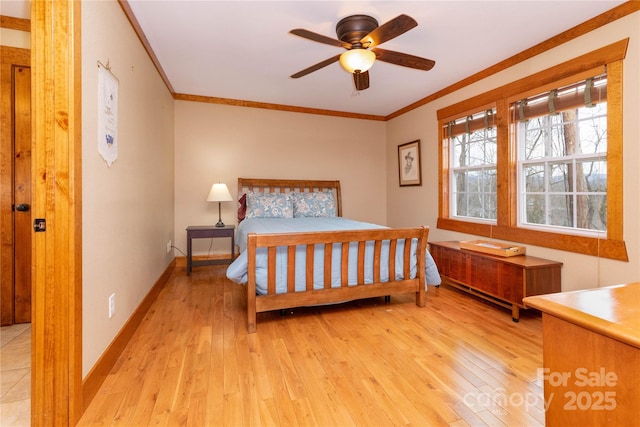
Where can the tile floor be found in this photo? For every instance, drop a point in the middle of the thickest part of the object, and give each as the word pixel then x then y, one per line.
pixel 15 375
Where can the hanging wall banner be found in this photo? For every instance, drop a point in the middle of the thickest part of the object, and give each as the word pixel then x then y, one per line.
pixel 107 114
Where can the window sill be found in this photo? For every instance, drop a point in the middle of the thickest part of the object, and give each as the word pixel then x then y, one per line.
pixel 604 248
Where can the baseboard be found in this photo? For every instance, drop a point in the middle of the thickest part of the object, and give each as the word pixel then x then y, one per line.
pixel 92 383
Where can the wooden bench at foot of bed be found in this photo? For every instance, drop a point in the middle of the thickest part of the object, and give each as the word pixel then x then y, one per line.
pixel 309 297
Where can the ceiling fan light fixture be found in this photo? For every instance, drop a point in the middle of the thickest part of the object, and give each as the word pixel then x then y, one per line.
pixel 357 60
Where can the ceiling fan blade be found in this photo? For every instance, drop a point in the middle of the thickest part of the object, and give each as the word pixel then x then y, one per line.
pixel 361 80
pixel 319 38
pixel 316 67
pixel 389 30
pixel 403 59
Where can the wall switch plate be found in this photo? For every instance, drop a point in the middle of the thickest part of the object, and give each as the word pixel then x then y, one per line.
pixel 112 305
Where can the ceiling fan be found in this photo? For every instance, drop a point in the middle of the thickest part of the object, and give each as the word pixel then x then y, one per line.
pixel 360 35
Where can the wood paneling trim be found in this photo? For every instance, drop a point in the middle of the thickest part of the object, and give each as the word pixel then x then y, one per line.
pixel 56 356
pixel 615 180
pixel 278 107
pixel 15 55
pixel 604 248
pixel 103 366
pixel 572 33
pixel 14 23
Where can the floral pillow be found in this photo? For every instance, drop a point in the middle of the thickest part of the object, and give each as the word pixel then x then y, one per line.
pixel 269 205
pixel 314 204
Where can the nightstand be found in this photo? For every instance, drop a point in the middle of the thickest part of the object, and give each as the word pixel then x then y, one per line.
pixel 209 232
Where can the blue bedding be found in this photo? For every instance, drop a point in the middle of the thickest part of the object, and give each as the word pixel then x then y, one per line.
pixel 237 271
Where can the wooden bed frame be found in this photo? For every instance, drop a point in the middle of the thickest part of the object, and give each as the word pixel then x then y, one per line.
pixel 272 301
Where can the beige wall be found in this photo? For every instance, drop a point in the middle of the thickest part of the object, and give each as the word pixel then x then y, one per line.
pixel 15 38
pixel 221 143
pixel 128 212
pixel 579 271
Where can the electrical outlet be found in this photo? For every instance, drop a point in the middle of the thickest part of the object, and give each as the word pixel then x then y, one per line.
pixel 169 245
pixel 112 305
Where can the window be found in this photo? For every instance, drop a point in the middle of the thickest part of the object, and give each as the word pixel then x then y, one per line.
pixel 539 160
pixel 562 157
pixel 473 165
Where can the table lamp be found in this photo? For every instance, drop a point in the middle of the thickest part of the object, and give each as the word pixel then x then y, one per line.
pixel 219 193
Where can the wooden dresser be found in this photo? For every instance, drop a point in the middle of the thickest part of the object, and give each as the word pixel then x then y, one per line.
pixel 591 356
pixel 503 280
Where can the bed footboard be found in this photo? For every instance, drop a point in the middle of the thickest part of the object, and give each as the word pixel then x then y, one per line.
pixel 374 287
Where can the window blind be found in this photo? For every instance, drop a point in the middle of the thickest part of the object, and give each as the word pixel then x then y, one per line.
pixel 585 93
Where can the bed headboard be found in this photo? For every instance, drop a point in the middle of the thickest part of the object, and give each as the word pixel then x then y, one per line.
pixel 261 185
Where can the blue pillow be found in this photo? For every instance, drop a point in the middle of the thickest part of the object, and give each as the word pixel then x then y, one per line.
pixel 269 205
pixel 314 204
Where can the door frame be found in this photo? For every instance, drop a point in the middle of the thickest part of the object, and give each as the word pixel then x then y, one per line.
pixel 56 383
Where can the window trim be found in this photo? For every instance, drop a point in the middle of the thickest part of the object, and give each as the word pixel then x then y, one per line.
pixel 506 227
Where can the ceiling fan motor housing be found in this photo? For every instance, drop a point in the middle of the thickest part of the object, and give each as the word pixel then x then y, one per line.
pixel 353 28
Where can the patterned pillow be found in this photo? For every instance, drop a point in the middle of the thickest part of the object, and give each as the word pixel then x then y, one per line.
pixel 314 204
pixel 269 205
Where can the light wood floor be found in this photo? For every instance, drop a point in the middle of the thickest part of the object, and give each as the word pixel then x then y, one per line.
pixel 458 361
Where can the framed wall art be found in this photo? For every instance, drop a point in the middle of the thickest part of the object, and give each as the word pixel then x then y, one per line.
pixel 409 165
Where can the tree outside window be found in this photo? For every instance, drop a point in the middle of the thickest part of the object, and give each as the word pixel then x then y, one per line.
pixel 539 160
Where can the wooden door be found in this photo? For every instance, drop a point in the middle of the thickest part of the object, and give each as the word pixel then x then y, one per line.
pixel 15 178
pixel 22 194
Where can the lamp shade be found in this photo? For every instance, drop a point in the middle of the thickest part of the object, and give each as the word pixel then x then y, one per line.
pixel 357 60
pixel 219 193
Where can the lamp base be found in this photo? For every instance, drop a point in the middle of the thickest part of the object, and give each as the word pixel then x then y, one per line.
pixel 220 223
